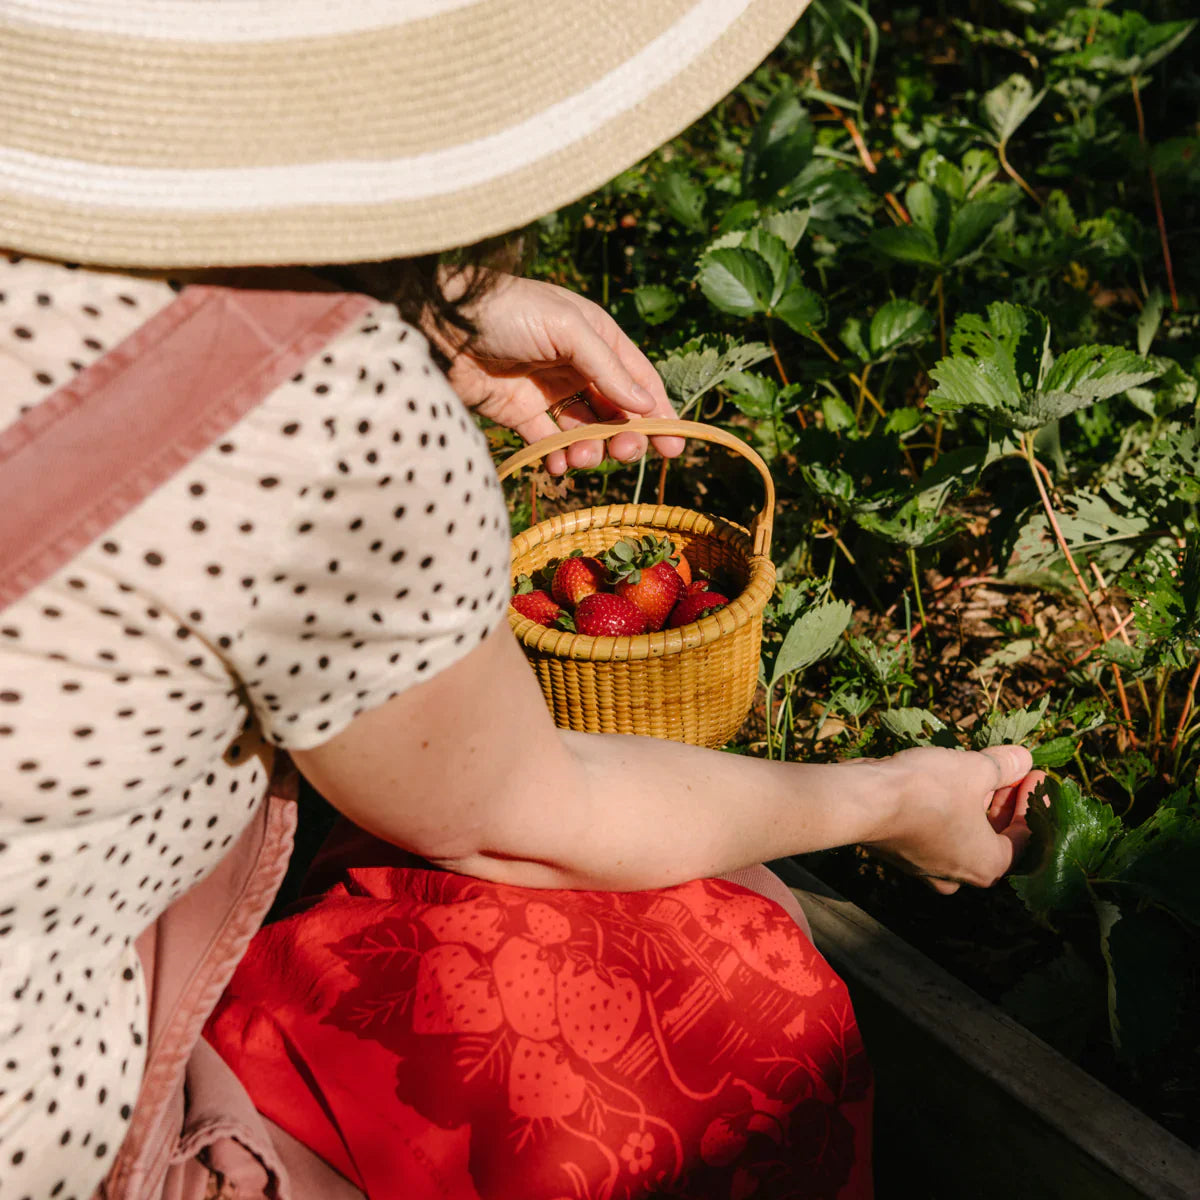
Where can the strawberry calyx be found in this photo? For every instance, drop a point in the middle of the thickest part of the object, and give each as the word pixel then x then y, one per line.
pixel 628 558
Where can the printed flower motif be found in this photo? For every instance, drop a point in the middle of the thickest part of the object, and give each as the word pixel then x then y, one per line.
pixel 636 1152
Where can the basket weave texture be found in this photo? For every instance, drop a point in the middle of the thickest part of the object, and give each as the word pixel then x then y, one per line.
pixel 692 684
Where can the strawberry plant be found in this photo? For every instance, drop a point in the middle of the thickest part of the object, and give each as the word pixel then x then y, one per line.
pixel 941 273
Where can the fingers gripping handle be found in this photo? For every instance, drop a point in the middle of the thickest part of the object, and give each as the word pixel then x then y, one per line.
pixel 760 527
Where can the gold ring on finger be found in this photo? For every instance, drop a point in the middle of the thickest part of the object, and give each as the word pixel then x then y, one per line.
pixel 559 407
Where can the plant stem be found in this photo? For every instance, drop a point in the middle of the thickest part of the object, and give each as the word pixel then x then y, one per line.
pixel 816 337
pixel 1158 209
pixel 912 565
pixel 866 393
pixel 1120 632
pixel 800 418
pixel 1083 775
pixel 867 161
pixel 770 722
pixel 898 208
pixel 941 299
pixel 641 479
pixel 1051 516
pixel 1188 700
pixel 787 721
pixel 862 397
pixel 778 364
pixel 1011 172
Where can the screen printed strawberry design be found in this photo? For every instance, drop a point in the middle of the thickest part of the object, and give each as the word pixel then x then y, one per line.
pixel 548 1045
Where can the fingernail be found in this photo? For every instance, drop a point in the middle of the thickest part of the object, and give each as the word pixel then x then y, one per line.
pixel 642 396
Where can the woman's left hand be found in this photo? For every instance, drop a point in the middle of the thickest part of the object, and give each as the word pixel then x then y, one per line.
pixel 538 345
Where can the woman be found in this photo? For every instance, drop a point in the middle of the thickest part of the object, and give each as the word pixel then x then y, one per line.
pixel 325 571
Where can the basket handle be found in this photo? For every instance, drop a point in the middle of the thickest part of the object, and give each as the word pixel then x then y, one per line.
pixel 760 527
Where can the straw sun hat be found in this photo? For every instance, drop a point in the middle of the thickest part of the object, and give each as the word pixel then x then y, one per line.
pixel 172 133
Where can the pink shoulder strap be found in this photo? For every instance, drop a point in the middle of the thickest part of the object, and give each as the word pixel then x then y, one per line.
pixel 82 459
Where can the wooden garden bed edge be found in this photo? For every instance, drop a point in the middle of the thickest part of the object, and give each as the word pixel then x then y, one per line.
pixel 1088 1134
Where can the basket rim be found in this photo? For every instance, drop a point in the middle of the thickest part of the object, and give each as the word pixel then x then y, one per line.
pixel 738 614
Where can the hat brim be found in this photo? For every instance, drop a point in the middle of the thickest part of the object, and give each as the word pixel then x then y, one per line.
pixel 151 151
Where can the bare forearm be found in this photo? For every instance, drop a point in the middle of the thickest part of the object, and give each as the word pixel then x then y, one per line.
pixel 478 779
pixel 640 813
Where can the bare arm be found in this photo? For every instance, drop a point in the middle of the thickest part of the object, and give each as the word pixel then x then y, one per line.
pixel 469 771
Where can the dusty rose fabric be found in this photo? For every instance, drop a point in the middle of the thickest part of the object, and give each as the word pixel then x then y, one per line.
pixel 80 460
pixel 432 1035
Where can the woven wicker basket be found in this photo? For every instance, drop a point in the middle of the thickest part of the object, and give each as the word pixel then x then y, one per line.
pixel 691 684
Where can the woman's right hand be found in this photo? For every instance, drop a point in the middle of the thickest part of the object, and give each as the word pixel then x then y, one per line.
pixel 957 816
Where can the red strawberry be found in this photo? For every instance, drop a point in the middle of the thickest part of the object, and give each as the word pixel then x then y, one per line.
pixel 477 923
pixel 641 572
pixel 526 986
pixel 576 577
pixel 598 1010
pixel 655 591
pixel 547 926
pixel 455 993
pixel 603 614
pixel 538 606
pixel 694 605
pixel 699 585
pixel 542 1083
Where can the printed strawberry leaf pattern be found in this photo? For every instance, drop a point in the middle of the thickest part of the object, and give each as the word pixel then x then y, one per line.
pixel 687 1040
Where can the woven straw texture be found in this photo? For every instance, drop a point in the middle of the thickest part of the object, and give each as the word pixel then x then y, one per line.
pixel 692 684
pixel 191 133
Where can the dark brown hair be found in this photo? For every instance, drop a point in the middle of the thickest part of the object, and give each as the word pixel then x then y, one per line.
pixel 418 286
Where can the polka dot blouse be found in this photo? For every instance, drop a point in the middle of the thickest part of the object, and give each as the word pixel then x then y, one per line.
pixel 344 541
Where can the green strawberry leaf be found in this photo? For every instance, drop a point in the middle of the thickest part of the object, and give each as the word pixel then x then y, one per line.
pixel 1125 45
pixel 907 243
pixel 995 362
pixel 1055 753
pixel 754 394
pixel 1012 727
pixel 1157 861
pixel 1084 375
pixel 1147 960
pixel 910 725
pixel 853 338
pixel 913 524
pixel 775 253
pixel 656 303
pixel 789 225
pixel 1008 106
pixel 801 309
pixel 697 368
pixel 1072 834
pixel 930 209
pixel 896 324
pixel 955 471
pixel 979 168
pixel 736 281
pixel 811 636
pixel 684 199
pixel 781 146
pixel 972 225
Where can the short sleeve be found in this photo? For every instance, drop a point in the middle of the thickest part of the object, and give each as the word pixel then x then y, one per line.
pixel 392 559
